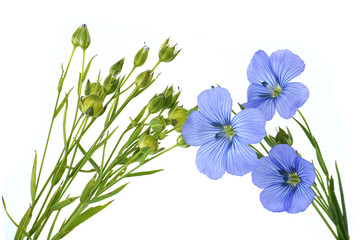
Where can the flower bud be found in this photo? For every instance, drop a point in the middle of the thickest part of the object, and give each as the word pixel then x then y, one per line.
pixel 284 138
pixel 141 56
pixel 91 105
pixel 167 53
pixel 92 88
pixel 84 37
pixel 156 103
pixel 116 68
pixel 76 37
pixel 181 142
pixel 178 115
pixel 110 85
pixel 144 79
pixel 148 142
pixel 158 124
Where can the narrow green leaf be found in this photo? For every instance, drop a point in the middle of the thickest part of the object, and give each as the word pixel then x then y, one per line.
pixel 93 163
pixel 86 215
pixel 342 196
pixel 105 140
pixel 83 76
pixel 58 172
pixel 88 189
pixel 12 220
pixel 107 195
pixel 136 174
pixel 33 179
pixel 106 123
pixel 23 224
pixel 62 204
pixel 62 103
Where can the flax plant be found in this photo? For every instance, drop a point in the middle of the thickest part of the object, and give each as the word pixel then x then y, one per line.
pixel 118 162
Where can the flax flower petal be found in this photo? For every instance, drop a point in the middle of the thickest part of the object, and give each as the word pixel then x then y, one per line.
pixel 260 70
pixel 197 130
pixel 211 157
pixel 249 125
pixel 241 158
pixel 292 97
pixel 215 105
pixel 286 65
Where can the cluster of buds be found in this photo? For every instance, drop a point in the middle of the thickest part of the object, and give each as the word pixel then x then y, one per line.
pixel 95 93
pixel 281 137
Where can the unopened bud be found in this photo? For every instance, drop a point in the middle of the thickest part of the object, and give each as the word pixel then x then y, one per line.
pixel 148 142
pixel 167 53
pixel 110 84
pixel 144 79
pixel 91 105
pixel 84 37
pixel 158 124
pixel 116 68
pixel 284 138
pixel 141 56
pixel 76 37
pixel 178 115
pixel 92 88
pixel 156 103
pixel 181 142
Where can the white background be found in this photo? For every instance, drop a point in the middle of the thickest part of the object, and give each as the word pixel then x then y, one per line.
pixel 218 40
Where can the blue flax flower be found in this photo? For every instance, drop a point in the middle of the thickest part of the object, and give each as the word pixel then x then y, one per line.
pixel 224 142
pixel 270 86
pixel 286 179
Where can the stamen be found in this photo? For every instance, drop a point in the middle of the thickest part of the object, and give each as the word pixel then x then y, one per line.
pixel 293 179
pixel 274 91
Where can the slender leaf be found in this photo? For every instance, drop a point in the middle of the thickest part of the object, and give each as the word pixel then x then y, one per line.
pixel 12 220
pixel 23 224
pixel 342 196
pixel 62 103
pixel 62 204
pixel 107 195
pixel 136 174
pixel 33 180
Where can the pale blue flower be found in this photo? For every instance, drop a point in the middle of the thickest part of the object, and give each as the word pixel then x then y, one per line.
pixel 270 86
pixel 286 179
pixel 224 142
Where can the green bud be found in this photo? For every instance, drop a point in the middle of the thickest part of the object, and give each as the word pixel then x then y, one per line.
pixel 148 142
pixel 181 142
pixel 179 115
pixel 110 84
pixel 156 103
pixel 116 68
pixel 167 53
pixel 91 105
pixel 284 138
pixel 92 88
pixel 141 56
pixel 84 37
pixel 158 124
pixel 76 37
pixel 144 79
pixel 163 135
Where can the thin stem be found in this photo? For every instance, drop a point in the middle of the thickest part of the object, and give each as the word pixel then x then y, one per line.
pixel 323 218
pixel 264 148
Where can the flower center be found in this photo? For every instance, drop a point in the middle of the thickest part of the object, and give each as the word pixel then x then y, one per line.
pixel 274 91
pixel 228 131
pixel 293 179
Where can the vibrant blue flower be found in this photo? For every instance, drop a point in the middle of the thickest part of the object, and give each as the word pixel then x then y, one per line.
pixel 270 86
pixel 286 179
pixel 224 142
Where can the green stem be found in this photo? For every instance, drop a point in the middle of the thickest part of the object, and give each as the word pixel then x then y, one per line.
pixel 323 218
pixel 264 148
